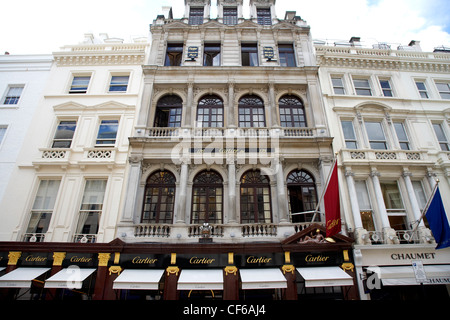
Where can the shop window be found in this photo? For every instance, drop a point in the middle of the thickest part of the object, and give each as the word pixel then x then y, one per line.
pixel 255 198
pixel 251 112
pixel 210 112
pixel 42 210
pixel 292 112
pixel 207 198
pixel 302 195
pixel 159 198
pixel 168 112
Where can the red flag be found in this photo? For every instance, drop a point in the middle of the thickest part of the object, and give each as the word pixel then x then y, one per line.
pixel 332 204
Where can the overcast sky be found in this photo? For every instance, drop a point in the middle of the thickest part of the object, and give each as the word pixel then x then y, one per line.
pixel 43 26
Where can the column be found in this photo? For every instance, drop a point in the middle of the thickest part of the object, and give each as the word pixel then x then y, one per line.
pixel 281 192
pixel 379 199
pixel 230 110
pixel 272 115
pixel 171 279
pixel 412 198
pixel 231 190
pixel 102 271
pixel 181 214
pixel 144 112
pixel 289 273
pixel 230 280
pixel 187 122
pixel 132 189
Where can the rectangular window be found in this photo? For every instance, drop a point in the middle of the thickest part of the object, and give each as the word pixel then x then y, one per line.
pixel 264 16
pixel 64 134
pixel 286 54
pixel 394 205
pixel 338 85
pixel 349 134
pixel 80 84
pixel 196 16
pixel 230 16
pixel 365 206
pixel 444 89
pixel 440 135
pixel 174 54
pixel 249 53
pixel 119 83
pixel 422 89
pixel 386 87
pixel 376 135
pixel 13 95
pixel 107 132
pixel 362 87
pixel 168 117
pixel 42 210
pixel 90 210
pixel 211 56
pixel 401 135
pixel 2 133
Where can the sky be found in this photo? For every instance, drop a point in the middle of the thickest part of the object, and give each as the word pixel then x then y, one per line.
pixel 44 26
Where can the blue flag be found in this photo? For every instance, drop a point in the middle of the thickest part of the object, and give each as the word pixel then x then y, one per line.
pixel 437 219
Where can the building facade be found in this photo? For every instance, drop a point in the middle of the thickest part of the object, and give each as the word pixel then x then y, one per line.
pixel 22 81
pixel 387 111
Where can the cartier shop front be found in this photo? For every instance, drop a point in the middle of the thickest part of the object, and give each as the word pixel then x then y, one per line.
pixel 303 266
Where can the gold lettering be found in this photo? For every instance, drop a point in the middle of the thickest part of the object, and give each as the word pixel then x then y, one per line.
pixel 35 259
pixel 253 259
pixel 197 260
pixel 139 260
pixel 319 258
pixel 80 259
pixel 332 223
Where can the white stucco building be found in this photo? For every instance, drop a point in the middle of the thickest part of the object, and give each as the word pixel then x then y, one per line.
pixel 22 81
pixel 388 113
pixel 68 179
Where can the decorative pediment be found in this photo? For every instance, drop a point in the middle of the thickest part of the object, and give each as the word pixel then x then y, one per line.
pixel 315 234
pixel 177 24
pixel 109 105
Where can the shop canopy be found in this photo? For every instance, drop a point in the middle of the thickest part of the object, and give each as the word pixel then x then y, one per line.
pixel 404 275
pixel 325 277
pixel 138 279
pixel 197 279
pixel 271 278
pixel 70 278
pixel 21 277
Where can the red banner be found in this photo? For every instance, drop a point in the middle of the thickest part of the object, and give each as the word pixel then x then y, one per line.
pixel 332 204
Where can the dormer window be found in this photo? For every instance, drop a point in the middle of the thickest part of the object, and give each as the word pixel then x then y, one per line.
pixel 196 16
pixel 264 16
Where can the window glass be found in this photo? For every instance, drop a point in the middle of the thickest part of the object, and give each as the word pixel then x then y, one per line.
pixel 64 134
pixel 119 83
pixel 376 136
pixel 230 15
pixel 362 87
pixel 349 134
pixel 80 84
pixel 286 55
pixel 107 132
pixel 249 53
pixel 401 135
pixel 13 95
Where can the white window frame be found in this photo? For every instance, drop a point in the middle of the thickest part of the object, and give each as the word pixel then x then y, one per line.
pixel 98 131
pixel 369 88
pixel 445 92
pixel 80 74
pixel 422 91
pixel 341 78
pixel 3 126
pixel 390 89
pixel 6 95
pixel 118 74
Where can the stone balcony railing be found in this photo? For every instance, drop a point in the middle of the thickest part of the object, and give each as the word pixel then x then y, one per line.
pixel 166 132
pixel 68 155
pixel 361 155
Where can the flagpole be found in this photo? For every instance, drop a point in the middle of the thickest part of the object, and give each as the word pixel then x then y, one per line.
pixel 426 206
pixel 325 188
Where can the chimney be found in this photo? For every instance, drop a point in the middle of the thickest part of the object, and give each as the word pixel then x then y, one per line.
pixel 415 45
pixel 355 41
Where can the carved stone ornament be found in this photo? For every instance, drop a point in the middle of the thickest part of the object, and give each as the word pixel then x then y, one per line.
pixel 313 238
pixel 103 259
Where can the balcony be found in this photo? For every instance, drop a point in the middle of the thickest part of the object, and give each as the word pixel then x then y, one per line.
pixel 222 233
pixel 301 132
pixel 387 156
pixel 66 156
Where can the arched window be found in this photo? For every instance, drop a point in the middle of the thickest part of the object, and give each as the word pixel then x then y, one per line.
pixel 207 198
pixel 255 198
pixel 302 195
pixel 251 112
pixel 210 112
pixel 159 198
pixel 292 112
pixel 168 112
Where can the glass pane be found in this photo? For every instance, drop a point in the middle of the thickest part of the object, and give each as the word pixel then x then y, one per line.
pixel 347 128
pixel 391 195
pixel 107 132
pixel 94 193
pixel 439 132
pixel 362 195
pixel 375 131
pixel 420 194
pixel 46 195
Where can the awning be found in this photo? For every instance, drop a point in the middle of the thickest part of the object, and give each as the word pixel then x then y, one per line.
pixel 71 278
pixel 208 279
pixel 404 275
pixel 21 277
pixel 325 277
pixel 138 279
pixel 262 279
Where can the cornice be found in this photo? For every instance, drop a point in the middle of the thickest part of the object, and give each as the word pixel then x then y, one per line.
pixel 382 59
pixel 131 58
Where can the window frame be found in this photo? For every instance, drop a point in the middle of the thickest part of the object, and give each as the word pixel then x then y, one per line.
pixel 302 179
pixel 211 56
pixel 348 140
pixel 253 215
pixel 196 16
pixel 386 91
pixel 205 104
pixel 286 55
pixel 388 202
pixel 359 89
pixel 174 54
pixel 230 16
pixel 444 135
pixel 371 141
pixel 254 110
pixel 120 84
pixel 14 98
pixel 81 89
pixel 166 110
pixel 252 50
pixel 291 108
pixel 444 94
pixel 402 142
pixel 56 140
pixel 204 189
pixel 107 122
pixel 264 16
pixel 342 87
pixel 423 93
